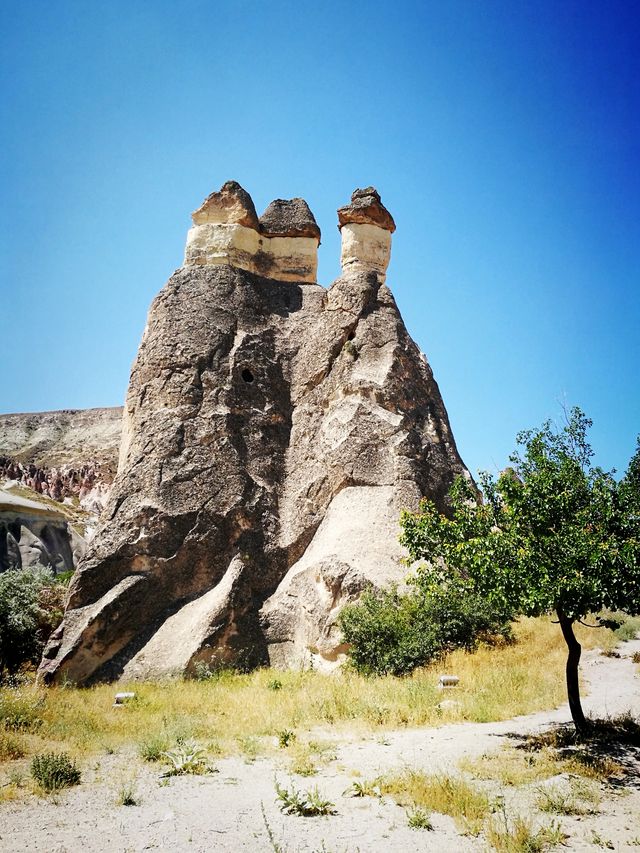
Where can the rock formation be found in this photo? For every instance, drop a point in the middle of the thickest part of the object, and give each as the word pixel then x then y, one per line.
pixel 34 534
pixel 273 431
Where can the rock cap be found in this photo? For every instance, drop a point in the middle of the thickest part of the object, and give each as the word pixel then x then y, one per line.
pixel 366 208
pixel 289 218
pixel 231 205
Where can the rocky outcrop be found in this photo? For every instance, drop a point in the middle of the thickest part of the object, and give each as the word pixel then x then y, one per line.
pixel 366 227
pixel 282 244
pixel 273 431
pixel 35 534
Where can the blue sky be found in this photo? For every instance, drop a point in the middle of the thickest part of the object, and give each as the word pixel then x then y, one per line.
pixel 503 136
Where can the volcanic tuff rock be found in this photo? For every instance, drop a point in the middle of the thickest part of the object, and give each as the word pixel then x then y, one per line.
pixel 273 431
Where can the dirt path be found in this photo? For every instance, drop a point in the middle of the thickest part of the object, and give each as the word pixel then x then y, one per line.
pixel 235 809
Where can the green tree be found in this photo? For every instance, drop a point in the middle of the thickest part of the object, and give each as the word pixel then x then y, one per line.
pixel 552 534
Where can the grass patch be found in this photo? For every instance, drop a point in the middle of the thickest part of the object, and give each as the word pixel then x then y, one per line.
pixel 153 748
pixel 246 712
pixel 514 767
pixel 574 799
pixel 448 795
pixel 621 730
pixel 519 835
pixel 12 747
pixel 307 756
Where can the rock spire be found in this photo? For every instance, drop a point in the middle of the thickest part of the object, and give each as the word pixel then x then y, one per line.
pixel 273 431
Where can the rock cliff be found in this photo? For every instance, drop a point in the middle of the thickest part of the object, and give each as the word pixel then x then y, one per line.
pixel 273 430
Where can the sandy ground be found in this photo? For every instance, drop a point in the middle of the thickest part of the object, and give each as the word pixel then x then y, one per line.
pixel 234 809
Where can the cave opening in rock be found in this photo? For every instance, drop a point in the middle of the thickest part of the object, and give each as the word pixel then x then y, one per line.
pixel 247 375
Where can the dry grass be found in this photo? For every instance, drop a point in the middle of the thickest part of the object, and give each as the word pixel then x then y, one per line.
pixel 243 714
pixel 520 835
pixel 575 797
pixel 515 767
pixel 449 795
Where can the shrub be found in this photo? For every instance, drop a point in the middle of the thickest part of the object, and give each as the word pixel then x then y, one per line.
pixel 54 771
pixel 393 633
pixel 31 607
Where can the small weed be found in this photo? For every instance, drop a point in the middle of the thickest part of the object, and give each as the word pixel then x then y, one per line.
pixel 187 758
pixel 274 684
pixel 153 748
pixel 350 349
pixel 303 803
pixel 127 796
pixel 418 818
pixel 636 657
pixel 303 765
pixel 8 792
pixel 599 841
pixel 325 750
pixel 54 771
pixel 250 747
pixel 285 738
pixel 364 789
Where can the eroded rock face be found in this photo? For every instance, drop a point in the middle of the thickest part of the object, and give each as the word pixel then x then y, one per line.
pixel 273 432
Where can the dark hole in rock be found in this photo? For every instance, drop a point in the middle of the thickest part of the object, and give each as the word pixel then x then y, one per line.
pixel 351 336
pixel 247 375
pixel 287 301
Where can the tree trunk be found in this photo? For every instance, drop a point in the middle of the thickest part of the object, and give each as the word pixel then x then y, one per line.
pixel 573 659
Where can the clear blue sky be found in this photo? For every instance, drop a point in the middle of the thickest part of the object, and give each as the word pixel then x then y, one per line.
pixel 503 136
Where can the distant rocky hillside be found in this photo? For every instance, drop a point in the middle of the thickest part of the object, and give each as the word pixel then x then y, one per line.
pixel 66 454
pixel 72 437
